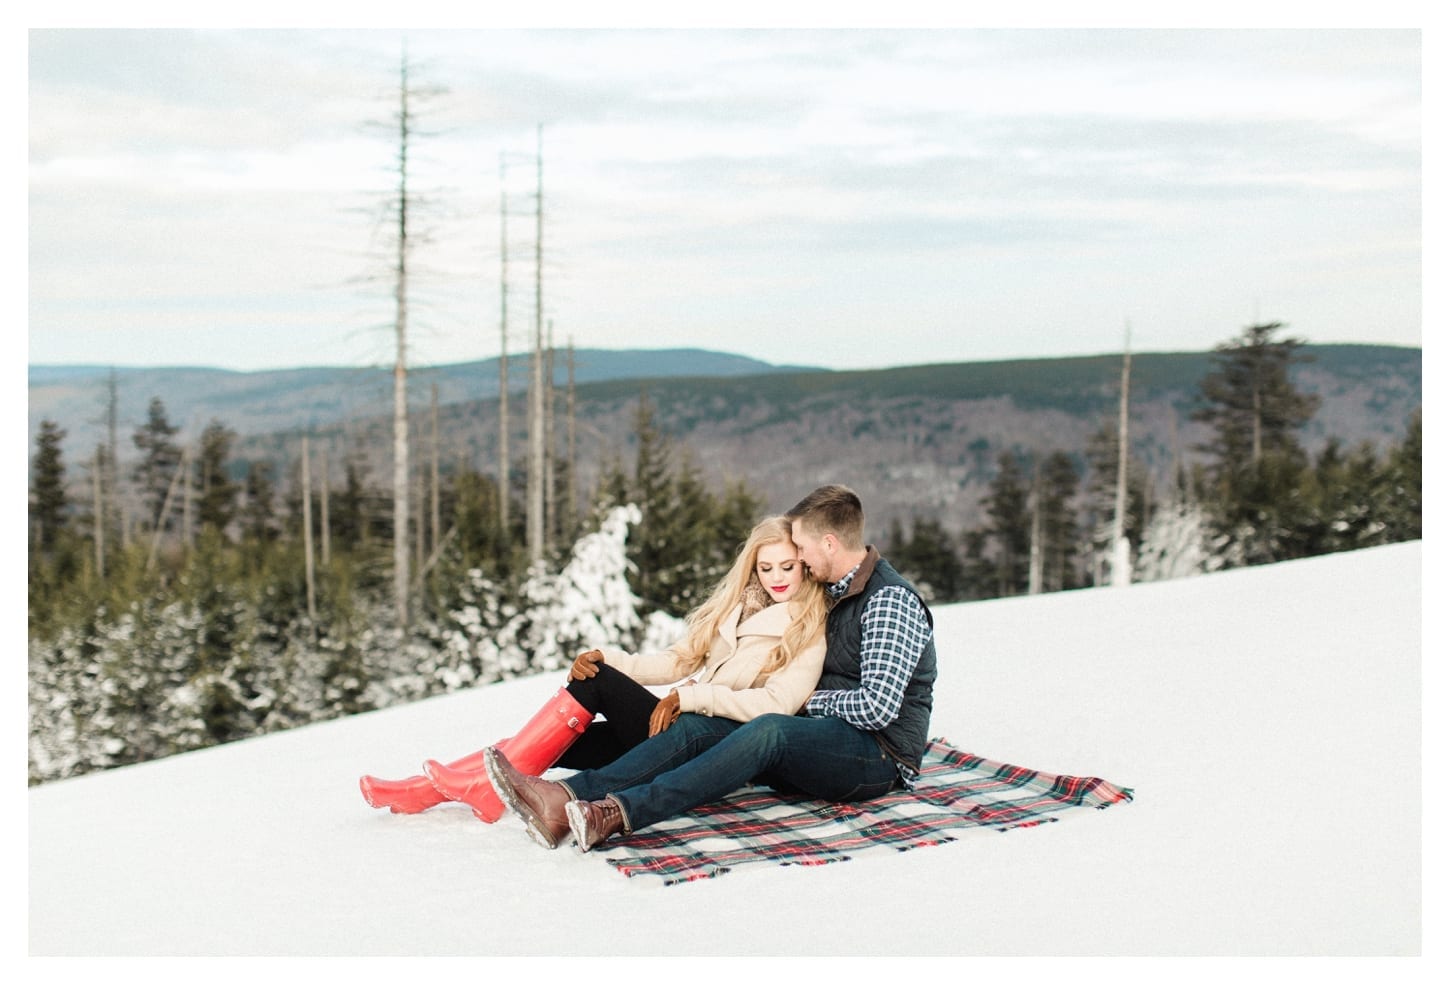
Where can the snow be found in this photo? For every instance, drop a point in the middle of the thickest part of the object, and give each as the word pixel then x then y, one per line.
pixel 1269 720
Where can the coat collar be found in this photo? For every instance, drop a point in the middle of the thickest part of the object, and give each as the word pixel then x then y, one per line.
pixel 769 621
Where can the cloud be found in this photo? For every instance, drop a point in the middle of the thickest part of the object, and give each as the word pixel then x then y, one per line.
pixel 697 179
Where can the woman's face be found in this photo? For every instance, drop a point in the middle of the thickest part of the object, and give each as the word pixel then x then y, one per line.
pixel 779 570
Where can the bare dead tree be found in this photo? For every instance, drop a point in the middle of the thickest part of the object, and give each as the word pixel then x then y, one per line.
pixel 307 534
pixel 106 483
pixel 503 352
pixel 535 516
pixel 1034 554
pixel 435 503
pixel 323 519
pixel 400 363
pixel 1122 574
pixel 186 496
pixel 572 457
pixel 406 201
pixel 98 511
pixel 551 514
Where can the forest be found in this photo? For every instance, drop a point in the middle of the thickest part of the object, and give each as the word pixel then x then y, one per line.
pixel 220 600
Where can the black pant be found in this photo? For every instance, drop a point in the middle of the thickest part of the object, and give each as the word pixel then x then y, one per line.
pixel 626 705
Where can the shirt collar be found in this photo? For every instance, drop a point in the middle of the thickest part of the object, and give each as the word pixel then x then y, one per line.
pixel 840 588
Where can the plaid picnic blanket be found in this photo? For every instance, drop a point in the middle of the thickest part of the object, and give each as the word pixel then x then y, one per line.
pixel 956 791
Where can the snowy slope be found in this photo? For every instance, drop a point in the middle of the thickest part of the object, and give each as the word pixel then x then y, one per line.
pixel 1268 719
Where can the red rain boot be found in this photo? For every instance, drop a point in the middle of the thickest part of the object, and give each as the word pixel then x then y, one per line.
pixel 536 747
pixel 414 794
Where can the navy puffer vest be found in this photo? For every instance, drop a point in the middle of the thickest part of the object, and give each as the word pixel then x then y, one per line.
pixel 905 738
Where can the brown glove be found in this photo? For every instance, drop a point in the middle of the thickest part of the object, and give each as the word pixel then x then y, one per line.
pixel 584 665
pixel 665 713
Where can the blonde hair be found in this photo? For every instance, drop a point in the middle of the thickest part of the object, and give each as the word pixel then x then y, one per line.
pixel 808 605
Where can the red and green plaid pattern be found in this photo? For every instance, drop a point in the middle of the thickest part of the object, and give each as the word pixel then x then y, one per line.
pixel 956 791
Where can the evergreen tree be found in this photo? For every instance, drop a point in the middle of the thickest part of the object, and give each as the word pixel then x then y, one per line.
pixel 895 550
pixel 258 516
pixel 1354 500
pixel 1056 490
pixel 650 546
pixel 687 536
pixel 565 522
pixel 47 489
pixel 1176 540
pixel 476 517
pixel 349 519
pixel 1403 474
pixel 1260 513
pixel 1250 402
pixel 1258 466
pixel 221 644
pixel 612 488
pixel 160 458
pixel 738 510
pixel 695 554
pixel 979 571
pixel 1009 525
pixel 588 603
pixel 928 559
pixel 217 493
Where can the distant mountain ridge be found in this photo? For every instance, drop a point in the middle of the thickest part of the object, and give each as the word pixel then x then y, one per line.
pixel 913 440
pixel 260 401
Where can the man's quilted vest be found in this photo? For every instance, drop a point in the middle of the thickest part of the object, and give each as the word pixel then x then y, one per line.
pixel 905 738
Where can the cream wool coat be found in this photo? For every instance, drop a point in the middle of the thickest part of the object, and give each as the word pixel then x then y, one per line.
pixel 728 682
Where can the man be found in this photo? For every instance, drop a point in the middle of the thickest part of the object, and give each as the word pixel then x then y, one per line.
pixel 861 733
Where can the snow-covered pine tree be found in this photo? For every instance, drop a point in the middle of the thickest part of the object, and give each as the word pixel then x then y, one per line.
pixel 1176 543
pixel 586 605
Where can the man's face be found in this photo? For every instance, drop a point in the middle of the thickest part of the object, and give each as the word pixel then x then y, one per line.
pixel 814 552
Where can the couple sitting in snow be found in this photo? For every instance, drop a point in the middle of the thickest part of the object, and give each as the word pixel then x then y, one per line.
pixel 814 667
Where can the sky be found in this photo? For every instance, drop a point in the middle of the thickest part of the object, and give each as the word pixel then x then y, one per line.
pixel 1274 752
pixel 859 198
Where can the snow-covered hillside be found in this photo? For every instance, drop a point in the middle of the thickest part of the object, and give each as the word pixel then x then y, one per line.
pixel 1268 720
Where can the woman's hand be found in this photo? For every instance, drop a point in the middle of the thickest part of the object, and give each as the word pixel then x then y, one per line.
pixel 584 665
pixel 665 713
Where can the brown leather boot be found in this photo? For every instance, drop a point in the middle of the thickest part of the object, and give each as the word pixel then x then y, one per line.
pixel 539 802
pixel 594 821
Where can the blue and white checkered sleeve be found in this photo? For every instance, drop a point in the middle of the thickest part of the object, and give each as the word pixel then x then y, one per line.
pixel 894 631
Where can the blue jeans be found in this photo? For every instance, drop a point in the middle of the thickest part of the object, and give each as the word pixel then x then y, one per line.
pixel 700 759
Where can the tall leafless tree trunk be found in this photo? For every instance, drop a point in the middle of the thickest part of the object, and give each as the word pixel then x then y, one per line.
pixel 401 511
pixel 1034 554
pixel 323 520
pixel 503 351
pixel 186 492
pixel 420 524
pixel 1122 573
pixel 307 534
pixel 551 508
pixel 98 511
pixel 435 519
pixel 115 511
pixel 571 506
pixel 1257 450
pixel 536 387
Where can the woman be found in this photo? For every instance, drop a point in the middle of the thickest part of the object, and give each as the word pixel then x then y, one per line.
pixel 755 647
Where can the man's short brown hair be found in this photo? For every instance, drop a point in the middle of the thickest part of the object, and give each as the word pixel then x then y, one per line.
pixel 835 510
